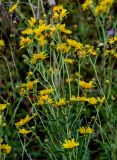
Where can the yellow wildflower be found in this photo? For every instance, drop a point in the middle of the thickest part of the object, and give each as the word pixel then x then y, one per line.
pixel 30 84
pixel 86 4
pixel 61 28
pixel 24 41
pixel 13 7
pixel 42 40
pixel 74 99
pixel 70 144
pixel 40 29
pixel 46 91
pixel 32 21
pixel 103 7
pixel 27 31
pixel 69 60
pixel 89 130
pixel 2 43
pixel 90 50
pixel 86 85
pixel 82 99
pixel 82 130
pixel 5 148
pixel 23 121
pixel 59 12
pixel 24 131
pixel 42 99
pixel 2 107
pixel 75 44
pixel 61 102
pixel 92 100
pixel 63 47
pixel 86 130
pixel 38 56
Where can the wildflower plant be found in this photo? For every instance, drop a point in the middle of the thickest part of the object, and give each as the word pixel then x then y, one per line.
pixel 67 99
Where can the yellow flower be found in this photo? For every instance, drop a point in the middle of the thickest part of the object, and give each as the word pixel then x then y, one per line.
pixel 2 107
pixel 13 8
pixel 74 99
pixel 63 47
pixel 103 6
pixel 24 131
pixel 86 4
pixel 82 130
pixel 59 12
pixel 70 144
pixel 86 130
pixel 46 91
pixel 69 60
pixel 30 84
pixel 75 44
pixel 32 21
pixel 38 56
pixel 89 130
pixel 42 99
pixel 61 28
pixel 86 85
pixel 40 29
pixel 2 43
pixel 24 41
pixel 61 102
pixel 27 31
pixel 82 99
pixel 5 148
pixel 23 121
pixel 92 100
pixel 42 40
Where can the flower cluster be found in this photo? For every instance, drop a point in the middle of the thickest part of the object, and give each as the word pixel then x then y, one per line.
pixel 5 148
pixel 69 144
pixel 86 130
pixel 103 7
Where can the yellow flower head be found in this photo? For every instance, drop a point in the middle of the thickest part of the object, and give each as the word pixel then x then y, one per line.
pixel 13 8
pixel 46 91
pixel 86 130
pixel 62 28
pixel 92 100
pixel 59 12
pixel 25 41
pixel 32 21
pixel 27 31
pixel 24 131
pixel 69 60
pixel 103 7
pixel 23 121
pixel 1 43
pixel 86 85
pixel 5 148
pixel 69 144
pixel 86 4
pixel 76 45
pixel 63 47
pixel 2 107
pixel 38 56
pixel 61 102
